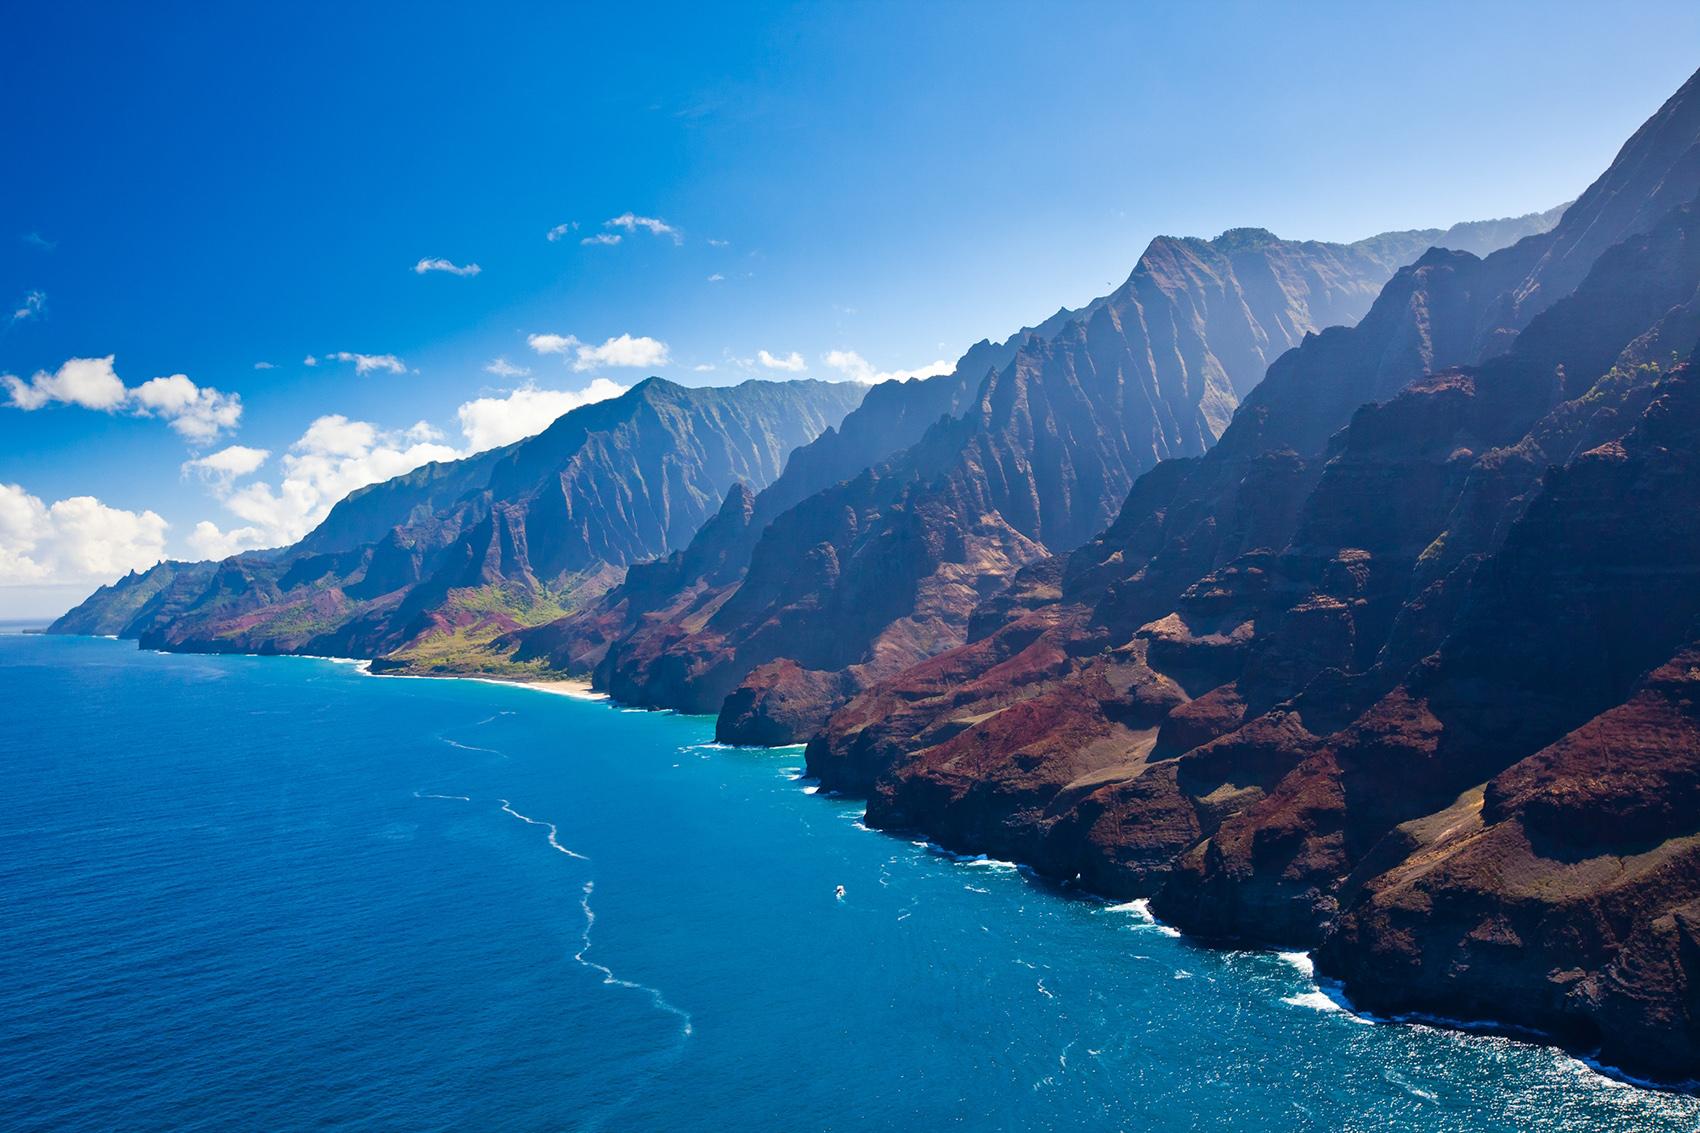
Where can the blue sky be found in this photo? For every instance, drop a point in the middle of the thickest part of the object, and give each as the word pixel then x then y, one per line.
pixel 201 189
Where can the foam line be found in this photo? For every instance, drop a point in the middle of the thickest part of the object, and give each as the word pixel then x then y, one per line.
pixel 554 831
pixel 608 976
pixel 468 747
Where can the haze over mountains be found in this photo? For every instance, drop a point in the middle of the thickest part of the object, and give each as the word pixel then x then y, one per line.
pixel 1340 596
pixel 454 553
pixel 851 577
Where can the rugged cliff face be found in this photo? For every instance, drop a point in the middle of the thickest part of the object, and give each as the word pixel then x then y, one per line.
pixel 424 569
pixel 840 575
pixel 1349 678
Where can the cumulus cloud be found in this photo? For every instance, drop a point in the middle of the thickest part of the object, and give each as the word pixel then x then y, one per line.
pixel 89 382
pixel 332 458
pixel 551 343
pixel 366 363
pixel 791 363
pixel 602 238
pixel 620 352
pixel 503 368
pixel 75 540
pixel 561 231
pixel 309 361
pixel 448 266
pixel 227 464
pixel 30 306
pixel 623 351
pixel 858 369
pixel 492 421
pixel 197 413
pixel 631 222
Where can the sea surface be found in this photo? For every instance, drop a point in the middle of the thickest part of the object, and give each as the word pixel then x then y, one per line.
pixel 277 893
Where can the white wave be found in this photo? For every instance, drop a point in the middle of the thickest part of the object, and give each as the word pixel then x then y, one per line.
pixel 1300 960
pixel 976 860
pixel 554 831
pixel 608 976
pixel 1141 910
pixel 1045 991
pixel 1183 974
pixel 1315 1000
pixel 453 798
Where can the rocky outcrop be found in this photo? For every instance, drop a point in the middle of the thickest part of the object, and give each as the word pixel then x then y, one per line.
pixel 431 565
pixel 824 593
pixel 1358 677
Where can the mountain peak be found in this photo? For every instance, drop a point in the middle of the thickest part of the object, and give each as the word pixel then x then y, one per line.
pixel 1235 239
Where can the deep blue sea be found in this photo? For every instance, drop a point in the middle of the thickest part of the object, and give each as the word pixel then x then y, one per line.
pixel 276 893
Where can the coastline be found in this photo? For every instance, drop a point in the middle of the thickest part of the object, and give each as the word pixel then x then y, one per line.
pixel 1325 986
pixel 574 687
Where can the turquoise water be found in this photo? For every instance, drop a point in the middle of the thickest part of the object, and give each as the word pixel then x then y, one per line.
pixel 275 892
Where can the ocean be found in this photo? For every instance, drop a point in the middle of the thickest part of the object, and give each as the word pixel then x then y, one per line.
pixel 278 893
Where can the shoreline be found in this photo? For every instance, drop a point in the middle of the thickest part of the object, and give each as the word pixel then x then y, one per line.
pixel 575 688
pixel 1327 987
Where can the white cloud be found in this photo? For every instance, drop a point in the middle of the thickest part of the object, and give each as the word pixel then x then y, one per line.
pixel 492 421
pixel 623 351
pixel 620 352
pixel 560 231
pixel 858 369
pixel 448 266
pixel 551 343
pixel 198 413
pixel 76 540
pixel 264 366
pixel 227 464
pixel 716 278
pixel 792 363
pixel 332 458
pixel 309 361
pixel 713 243
pixel 503 368
pixel 30 306
pixel 207 541
pixel 367 363
pixel 703 367
pixel 602 238
pixel 89 382
pixel 631 222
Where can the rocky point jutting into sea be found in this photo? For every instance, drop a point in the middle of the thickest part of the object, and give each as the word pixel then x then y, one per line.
pixel 1341 597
